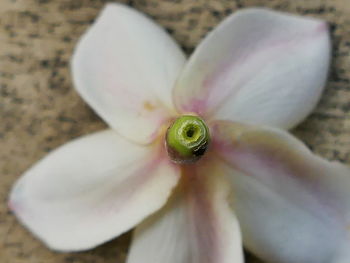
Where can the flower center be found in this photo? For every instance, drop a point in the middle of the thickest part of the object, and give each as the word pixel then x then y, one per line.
pixel 187 139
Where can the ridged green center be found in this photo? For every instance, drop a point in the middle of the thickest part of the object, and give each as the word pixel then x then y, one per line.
pixel 187 139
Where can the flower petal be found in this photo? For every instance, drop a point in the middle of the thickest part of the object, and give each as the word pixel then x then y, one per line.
pixel 92 190
pixel 196 225
pixel 125 67
pixel 293 206
pixel 258 66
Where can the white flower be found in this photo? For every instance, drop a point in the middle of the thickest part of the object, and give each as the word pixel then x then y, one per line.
pixel 258 73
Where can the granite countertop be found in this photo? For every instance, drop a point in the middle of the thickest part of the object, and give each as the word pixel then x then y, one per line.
pixel 40 110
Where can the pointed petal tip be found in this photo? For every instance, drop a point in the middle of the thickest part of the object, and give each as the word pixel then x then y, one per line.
pixel 13 201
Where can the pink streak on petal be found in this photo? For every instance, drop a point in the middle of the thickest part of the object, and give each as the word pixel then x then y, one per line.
pixel 322 28
pixel 18 207
pixel 12 206
pixel 216 89
pixel 201 211
pixel 196 105
pixel 136 181
pixel 264 160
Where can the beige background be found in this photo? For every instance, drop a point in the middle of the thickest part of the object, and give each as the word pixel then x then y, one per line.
pixel 40 110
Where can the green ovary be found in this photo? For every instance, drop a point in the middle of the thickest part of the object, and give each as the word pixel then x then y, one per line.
pixel 187 139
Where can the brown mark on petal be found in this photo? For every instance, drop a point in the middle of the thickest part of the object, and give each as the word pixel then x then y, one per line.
pixel 148 106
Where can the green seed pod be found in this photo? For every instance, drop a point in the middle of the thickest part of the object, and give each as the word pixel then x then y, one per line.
pixel 187 139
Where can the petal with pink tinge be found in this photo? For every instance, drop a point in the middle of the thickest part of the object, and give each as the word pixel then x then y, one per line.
pixel 293 206
pixel 197 224
pixel 91 190
pixel 258 67
pixel 125 67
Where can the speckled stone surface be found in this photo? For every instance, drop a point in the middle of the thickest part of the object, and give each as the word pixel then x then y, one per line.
pixel 40 110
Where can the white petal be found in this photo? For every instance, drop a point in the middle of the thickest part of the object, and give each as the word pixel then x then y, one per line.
pixel 125 67
pixel 258 66
pixel 293 206
pixel 92 190
pixel 196 226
